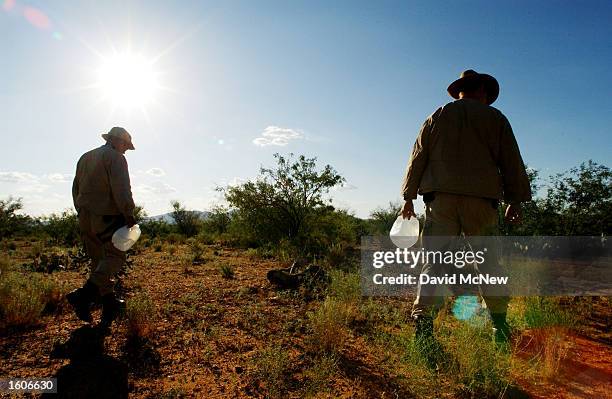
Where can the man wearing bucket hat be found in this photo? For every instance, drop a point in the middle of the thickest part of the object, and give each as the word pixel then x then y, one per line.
pixel 464 161
pixel 102 196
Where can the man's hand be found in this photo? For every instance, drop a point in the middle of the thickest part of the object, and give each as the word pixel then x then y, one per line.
pixel 130 221
pixel 514 214
pixel 408 210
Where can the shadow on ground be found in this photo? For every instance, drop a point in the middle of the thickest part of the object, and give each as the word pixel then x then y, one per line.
pixel 91 373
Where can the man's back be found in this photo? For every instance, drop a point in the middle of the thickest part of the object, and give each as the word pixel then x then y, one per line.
pixel 102 183
pixel 468 148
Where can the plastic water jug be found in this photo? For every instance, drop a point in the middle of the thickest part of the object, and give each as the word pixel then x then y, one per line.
pixel 125 237
pixel 405 232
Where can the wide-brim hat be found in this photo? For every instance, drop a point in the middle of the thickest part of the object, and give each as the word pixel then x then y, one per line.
pixel 469 76
pixel 119 133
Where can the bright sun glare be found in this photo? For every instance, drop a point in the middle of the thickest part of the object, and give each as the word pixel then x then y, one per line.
pixel 128 80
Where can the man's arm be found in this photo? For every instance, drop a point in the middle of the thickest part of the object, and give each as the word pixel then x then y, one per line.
pixel 416 167
pixel 516 183
pixel 75 188
pixel 121 188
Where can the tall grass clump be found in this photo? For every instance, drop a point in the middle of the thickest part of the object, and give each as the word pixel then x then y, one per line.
pixel 402 357
pixel 319 374
pixel 24 299
pixel 271 366
pixel 140 316
pixel 473 360
pixel 345 286
pixel 547 324
pixel 329 324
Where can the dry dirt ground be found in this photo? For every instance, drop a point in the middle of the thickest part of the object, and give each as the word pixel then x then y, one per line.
pixel 208 331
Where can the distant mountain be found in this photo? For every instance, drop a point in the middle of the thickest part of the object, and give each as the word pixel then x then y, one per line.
pixel 167 217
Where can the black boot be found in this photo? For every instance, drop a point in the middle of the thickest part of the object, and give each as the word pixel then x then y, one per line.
pixel 111 307
pixel 81 300
pixel 501 328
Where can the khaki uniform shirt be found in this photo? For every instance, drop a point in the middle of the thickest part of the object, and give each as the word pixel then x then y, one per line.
pixel 468 148
pixel 102 183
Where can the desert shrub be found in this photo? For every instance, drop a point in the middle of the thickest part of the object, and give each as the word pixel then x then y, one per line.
pixel 175 238
pixel 23 299
pixel 329 325
pixel 403 358
pixel 5 264
pixel 63 229
pixel 11 221
pixel 271 366
pixel 155 228
pixel 187 222
pixel 577 202
pixel 344 286
pixel 381 219
pixel 37 249
pixel 226 271
pixel 217 221
pixel 282 203
pixel 140 316
pixel 473 360
pixel 52 260
pixel 319 375
pixel 538 312
pixel 547 322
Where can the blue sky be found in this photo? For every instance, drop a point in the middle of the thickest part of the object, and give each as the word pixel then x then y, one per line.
pixel 348 82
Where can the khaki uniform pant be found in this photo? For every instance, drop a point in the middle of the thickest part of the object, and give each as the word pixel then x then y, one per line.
pixel 446 217
pixel 106 260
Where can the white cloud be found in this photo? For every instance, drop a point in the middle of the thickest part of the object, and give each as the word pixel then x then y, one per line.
pixel 17 177
pixel 344 187
pixel 33 188
pixel 59 177
pixel 155 188
pixel 157 172
pixel 279 136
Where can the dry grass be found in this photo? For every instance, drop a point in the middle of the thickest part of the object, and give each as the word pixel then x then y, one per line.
pixel 271 367
pixel 23 299
pixel 140 316
pixel 329 325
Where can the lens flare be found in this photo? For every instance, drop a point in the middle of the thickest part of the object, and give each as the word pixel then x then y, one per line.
pixel 36 17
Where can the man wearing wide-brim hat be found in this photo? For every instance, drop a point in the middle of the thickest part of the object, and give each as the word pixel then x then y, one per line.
pixel 102 196
pixel 464 161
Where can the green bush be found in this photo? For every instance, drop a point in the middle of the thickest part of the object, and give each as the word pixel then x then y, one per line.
pixel 23 299
pixel 226 271
pixel 155 228
pixel 187 222
pixel 283 203
pixel 62 228
pixel 11 222
pixel 271 366
pixel 140 316
pixel 329 325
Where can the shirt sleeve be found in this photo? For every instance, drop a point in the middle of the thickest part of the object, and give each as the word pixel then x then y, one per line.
pixel 418 162
pixel 75 187
pixel 516 183
pixel 120 185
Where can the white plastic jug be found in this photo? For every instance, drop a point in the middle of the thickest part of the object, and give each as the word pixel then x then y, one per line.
pixel 125 237
pixel 404 232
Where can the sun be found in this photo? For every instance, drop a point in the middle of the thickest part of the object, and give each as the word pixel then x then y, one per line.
pixel 128 80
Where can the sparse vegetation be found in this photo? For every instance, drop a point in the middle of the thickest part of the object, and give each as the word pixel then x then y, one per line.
pixel 226 271
pixel 23 299
pixel 140 316
pixel 271 366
